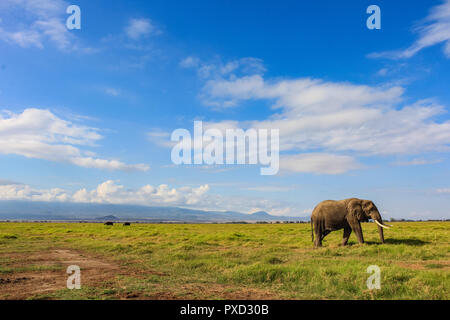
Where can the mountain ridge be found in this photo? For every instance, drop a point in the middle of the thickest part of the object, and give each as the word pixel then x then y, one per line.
pixel 68 211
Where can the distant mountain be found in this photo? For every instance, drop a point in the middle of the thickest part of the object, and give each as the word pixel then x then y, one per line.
pixel 65 211
pixel 110 217
pixel 261 215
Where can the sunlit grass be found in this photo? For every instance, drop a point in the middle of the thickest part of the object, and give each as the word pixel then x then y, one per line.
pixel 276 258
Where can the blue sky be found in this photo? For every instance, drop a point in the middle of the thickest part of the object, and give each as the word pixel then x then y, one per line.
pixel 86 115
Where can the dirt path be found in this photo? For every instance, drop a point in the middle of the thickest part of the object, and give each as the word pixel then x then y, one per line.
pixel 44 272
pixel 27 275
pixel 426 265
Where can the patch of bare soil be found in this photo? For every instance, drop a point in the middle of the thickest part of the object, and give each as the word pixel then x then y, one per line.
pixel 195 291
pixel 38 273
pixel 228 292
pixel 46 272
pixel 426 265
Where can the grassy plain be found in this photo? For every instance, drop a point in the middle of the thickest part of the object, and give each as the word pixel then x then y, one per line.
pixel 221 261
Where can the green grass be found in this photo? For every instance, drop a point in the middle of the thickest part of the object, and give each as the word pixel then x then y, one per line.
pixel 274 259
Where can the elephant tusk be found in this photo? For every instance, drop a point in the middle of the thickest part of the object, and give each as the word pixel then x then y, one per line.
pixel 381 225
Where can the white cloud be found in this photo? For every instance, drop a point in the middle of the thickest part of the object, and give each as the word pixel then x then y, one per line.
pixel 332 118
pixel 160 138
pixel 25 192
pixel 56 31
pixel 269 188
pixel 39 134
pixel 24 38
pixel 299 95
pixel 382 72
pixel 112 92
pixel 138 28
pixel 43 21
pixel 189 62
pixel 325 119
pixel 320 163
pixel 111 192
pixel 219 69
pixel 435 29
pixel 40 8
pixel 417 162
pixel 443 190
pixel 89 162
pixel 316 115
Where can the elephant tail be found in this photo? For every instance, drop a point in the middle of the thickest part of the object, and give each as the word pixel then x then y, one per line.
pixel 312 230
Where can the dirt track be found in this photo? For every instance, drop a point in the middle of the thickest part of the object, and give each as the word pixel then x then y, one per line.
pixel 51 275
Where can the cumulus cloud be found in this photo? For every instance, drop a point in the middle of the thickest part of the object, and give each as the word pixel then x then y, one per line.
pixel 89 162
pixel 417 162
pixel 39 134
pixel 160 138
pixel 25 192
pixel 44 22
pixel 23 38
pixel 320 163
pixel 139 28
pixel 112 92
pixel 325 119
pixel 434 29
pixel 108 192
pixel 190 62
pixel 298 95
pixel 219 69
pixel 111 192
pixel 269 188
pixel 443 190
pixel 316 115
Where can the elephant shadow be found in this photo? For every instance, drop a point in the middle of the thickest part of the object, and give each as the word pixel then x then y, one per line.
pixel 409 242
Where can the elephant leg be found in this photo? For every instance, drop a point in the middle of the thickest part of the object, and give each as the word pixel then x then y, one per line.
pixel 324 234
pixel 318 239
pixel 358 231
pixel 347 232
pixel 317 243
pixel 318 234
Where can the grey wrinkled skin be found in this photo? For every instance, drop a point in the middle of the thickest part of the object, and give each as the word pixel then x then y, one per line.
pixel 332 215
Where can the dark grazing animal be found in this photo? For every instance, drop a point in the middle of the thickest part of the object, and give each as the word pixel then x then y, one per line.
pixel 109 223
pixel 127 224
pixel 331 215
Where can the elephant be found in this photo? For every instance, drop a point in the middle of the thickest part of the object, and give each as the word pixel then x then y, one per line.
pixel 347 214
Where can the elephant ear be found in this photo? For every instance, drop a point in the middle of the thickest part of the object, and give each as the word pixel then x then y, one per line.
pixel 366 204
pixel 355 209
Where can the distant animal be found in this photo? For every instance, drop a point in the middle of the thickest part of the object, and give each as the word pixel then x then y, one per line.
pixel 127 224
pixel 109 223
pixel 331 215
